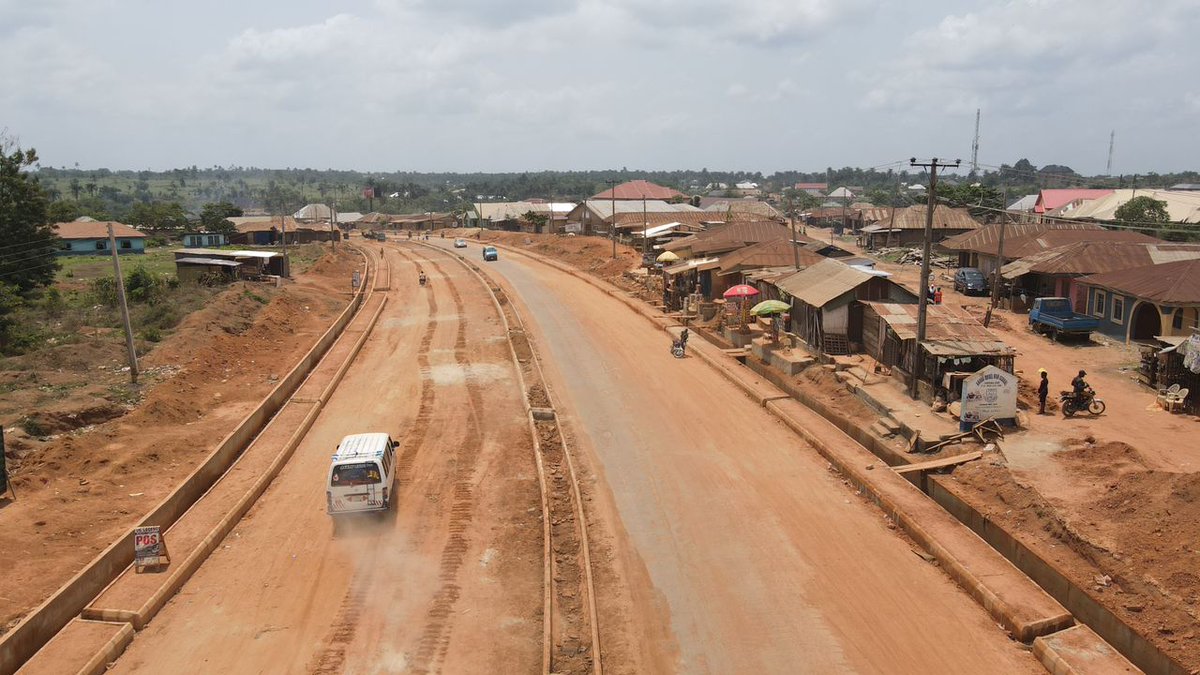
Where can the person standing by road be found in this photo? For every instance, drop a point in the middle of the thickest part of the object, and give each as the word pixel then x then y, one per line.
pixel 1043 390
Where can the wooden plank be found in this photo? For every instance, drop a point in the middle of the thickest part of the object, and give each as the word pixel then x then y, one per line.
pixel 939 463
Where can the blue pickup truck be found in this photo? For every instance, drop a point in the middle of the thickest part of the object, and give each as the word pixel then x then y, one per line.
pixel 1055 317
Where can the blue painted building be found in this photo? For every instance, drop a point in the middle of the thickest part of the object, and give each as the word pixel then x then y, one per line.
pixel 90 237
pixel 204 239
pixel 1143 302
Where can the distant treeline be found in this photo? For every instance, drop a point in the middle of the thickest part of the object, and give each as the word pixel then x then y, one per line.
pixel 105 193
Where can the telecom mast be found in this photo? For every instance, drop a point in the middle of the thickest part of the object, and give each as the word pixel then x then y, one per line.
pixel 1111 138
pixel 975 146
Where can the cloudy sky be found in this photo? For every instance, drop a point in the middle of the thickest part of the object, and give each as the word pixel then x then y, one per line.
pixel 466 85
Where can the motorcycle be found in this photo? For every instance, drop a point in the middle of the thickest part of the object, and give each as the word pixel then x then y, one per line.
pixel 421 279
pixel 1072 404
pixel 679 347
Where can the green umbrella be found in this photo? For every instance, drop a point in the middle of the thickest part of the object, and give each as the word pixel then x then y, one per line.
pixel 768 307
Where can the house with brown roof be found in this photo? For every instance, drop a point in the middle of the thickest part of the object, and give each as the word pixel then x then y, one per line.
pixel 594 216
pixel 639 190
pixel 908 226
pixel 1141 303
pixel 826 299
pixel 1057 272
pixel 728 237
pixel 980 248
pixel 90 237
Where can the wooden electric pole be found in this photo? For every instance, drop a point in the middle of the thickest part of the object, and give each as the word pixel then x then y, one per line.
pixel 923 297
pixel 120 283
pixel 612 223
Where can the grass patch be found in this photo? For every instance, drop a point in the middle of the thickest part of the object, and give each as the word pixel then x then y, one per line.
pixel 157 261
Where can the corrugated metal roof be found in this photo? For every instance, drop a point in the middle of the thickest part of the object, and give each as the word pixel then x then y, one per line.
pixel 224 254
pixel 1183 207
pixel 751 206
pixel 1097 257
pixel 770 253
pixel 1169 283
pixel 95 229
pixel 948 331
pixel 986 239
pixel 639 190
pixel 730 236
pixel 313 212
pixel 699 264
pixel 1048 200
pixel 208 261
pixel 823 281
pixel 944 218
pixel 603 208
pixel 702 219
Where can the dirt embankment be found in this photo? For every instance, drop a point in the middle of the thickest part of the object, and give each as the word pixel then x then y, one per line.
pixel 102 451
pixel 1133 541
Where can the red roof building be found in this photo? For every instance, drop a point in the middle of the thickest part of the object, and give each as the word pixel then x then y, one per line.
pixel 1049 200
pixel 639 189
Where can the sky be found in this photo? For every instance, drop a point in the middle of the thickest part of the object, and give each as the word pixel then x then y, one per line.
pixel 529 85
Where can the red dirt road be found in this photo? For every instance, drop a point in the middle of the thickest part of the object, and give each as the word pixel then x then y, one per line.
pixel 449 581
pixel 761 559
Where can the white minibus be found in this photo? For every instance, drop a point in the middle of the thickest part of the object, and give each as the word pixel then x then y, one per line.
pixel 361 474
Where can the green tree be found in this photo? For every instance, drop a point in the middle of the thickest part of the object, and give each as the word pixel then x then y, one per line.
pixel 1143 210
pixel 538 220
pixel 981 201
pixel 158 216
pixel 214 217
pixel 27 257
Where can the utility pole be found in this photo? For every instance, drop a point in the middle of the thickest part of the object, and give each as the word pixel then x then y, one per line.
pixel 120 283
pixel 612 223
pixel 892 215
pixel 795 243
pixel 332 218
pixel 645 231
pixel 923 297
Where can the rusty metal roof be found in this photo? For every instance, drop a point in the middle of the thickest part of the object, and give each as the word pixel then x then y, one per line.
pixel 1098 257
pixel 824 281
pixel 639 190
pixel 949 331
pixel 986 239
pixel 730 236
pixel 770 253
pixel 701 219
pixel 1175 283
pixel 944 218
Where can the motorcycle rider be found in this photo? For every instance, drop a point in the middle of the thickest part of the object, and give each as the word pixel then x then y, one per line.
pixel 1079 385
pixel 421 278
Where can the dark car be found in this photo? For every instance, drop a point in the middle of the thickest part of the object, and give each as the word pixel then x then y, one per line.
pixel 970 281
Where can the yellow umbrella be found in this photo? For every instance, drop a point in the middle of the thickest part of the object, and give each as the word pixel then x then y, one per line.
pixel 667 257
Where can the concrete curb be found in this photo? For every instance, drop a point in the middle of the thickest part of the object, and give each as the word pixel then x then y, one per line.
pixel 1079 651
pixel 47 619
pixel 188 567
pixel 110 652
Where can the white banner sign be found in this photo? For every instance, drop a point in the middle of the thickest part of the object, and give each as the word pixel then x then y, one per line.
pixel 573 227
pixel 990 393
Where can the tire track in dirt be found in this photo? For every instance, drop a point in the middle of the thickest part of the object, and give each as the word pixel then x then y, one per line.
pixel 435 636
pixel 332 657
pixel 574 640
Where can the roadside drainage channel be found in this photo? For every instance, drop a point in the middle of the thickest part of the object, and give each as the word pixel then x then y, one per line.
pixel 551 456
pixel 1015 599
pixel 21 647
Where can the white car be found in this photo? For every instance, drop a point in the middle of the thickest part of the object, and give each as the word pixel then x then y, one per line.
pixel 459 243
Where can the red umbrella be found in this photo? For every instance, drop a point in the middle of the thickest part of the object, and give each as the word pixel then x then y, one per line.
pixel 740 291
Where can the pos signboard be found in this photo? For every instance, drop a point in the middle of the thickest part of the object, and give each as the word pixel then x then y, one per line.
pixel 149 549
pixel 990 393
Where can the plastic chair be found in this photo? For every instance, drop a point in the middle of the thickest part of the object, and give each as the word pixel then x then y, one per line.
pixel 1176 399
pixel 1163 394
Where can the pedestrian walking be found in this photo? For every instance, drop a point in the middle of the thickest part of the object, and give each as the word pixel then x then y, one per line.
pixel 1043 390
